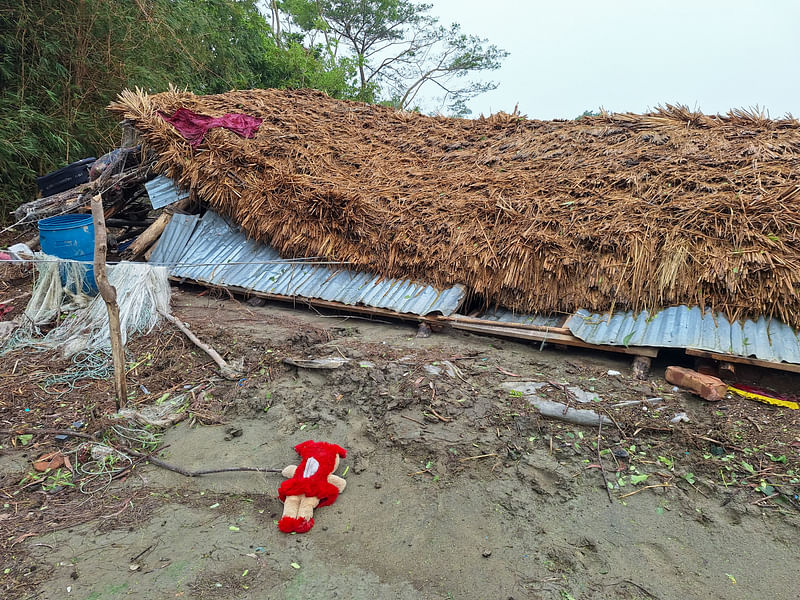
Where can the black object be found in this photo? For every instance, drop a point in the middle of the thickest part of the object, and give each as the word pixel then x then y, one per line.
pixel 65 178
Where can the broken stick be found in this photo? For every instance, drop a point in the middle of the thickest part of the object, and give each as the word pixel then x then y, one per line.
pixel 226 370
pixel 109 295
pixel 186 473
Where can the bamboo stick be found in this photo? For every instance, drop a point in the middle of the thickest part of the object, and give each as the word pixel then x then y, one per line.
pixel 109 295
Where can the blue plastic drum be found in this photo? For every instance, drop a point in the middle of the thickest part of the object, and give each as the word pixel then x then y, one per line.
pixel 71 237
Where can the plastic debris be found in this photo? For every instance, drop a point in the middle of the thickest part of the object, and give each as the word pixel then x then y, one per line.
pixel 432 370
pixel 680 417
pixel 758 395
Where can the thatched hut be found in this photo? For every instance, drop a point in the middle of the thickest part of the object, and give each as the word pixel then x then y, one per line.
pixel 617 211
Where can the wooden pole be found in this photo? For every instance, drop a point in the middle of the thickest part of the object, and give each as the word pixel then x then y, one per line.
pixel 109 295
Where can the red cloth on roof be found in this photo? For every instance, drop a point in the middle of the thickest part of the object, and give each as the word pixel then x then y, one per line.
pixel 193 126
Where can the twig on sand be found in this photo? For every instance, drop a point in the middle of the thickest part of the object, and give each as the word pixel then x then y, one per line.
pixel 440 417
pixel 49 432
pixel 477 457
pixel 180 470
pixel 412 420
pixel 647 487
pixel 770 497
pixel 637 586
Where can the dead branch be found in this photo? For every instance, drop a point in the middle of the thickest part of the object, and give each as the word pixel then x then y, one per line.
pixel 226 370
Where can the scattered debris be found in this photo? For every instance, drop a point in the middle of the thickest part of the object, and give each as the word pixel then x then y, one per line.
pixel 432 369
pixel 635 402
pixel 530 389
pixel 446 367
pixel 680 417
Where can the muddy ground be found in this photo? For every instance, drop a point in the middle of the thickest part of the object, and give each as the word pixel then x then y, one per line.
pixel 456 486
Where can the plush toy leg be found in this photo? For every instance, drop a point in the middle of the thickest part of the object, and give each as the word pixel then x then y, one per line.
pixel 298 514
pixel 306 510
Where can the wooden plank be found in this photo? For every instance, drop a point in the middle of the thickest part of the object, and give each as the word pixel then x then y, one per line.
pixel 742 360
pixel 553 335
pixel 463 319
pixel 316 302
pixel 553 338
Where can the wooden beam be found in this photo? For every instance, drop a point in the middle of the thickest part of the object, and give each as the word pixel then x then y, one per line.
pixel 553 338
pixel 316 302
pixel 553 335
pixel 471 320
pixel 742 360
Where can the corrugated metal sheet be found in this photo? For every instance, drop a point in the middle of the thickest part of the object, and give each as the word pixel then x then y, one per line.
pixel 507 316
pixel 163 192
pixel 684 327
pixel 173 241
pixel 210 250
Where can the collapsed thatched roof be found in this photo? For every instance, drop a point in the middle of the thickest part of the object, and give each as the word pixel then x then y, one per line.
pixel 617 211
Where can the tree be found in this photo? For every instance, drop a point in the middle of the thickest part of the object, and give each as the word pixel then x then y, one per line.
pixel 399 48
pixel 63 61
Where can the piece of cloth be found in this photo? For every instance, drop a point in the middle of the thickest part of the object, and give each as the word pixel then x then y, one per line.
pixel 193 126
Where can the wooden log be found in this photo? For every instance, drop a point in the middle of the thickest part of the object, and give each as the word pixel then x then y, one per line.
pixel 109 295
pixel 150 235
pixel 793 368
pixel 153 233
pixel 76 198
pixel 641 367
pixel 61 203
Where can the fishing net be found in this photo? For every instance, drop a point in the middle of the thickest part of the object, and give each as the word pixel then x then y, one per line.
pixel 50 296
pixel 142 293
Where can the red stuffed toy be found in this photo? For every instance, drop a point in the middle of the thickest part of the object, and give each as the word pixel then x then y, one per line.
pixel 310 484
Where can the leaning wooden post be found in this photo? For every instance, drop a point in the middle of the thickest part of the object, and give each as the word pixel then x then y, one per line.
pixel 109 295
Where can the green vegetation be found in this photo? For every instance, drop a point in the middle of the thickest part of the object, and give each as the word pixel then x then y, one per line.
pixel 398 49
pixel 63 61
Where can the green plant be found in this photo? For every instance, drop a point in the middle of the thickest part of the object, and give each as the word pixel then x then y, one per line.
pixel 62 62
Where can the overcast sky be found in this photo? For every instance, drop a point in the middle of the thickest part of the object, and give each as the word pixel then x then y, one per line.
pixel 568 56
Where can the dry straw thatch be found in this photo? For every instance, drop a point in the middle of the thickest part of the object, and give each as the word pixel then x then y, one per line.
pixel 617 211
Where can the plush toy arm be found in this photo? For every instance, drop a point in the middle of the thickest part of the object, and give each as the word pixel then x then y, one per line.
pixel 288 472
pixel 339 482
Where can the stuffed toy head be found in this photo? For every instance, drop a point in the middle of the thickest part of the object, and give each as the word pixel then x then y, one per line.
pixel 310 484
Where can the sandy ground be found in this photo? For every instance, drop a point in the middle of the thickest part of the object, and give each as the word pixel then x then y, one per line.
pixel 421 516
